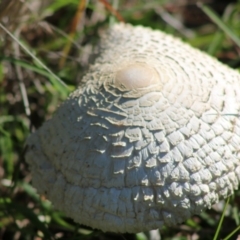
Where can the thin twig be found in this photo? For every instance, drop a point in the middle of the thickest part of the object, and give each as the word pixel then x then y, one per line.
pixel 78 16
pixel 62 33
pixel 112 10
pixel 169 19
pixel 20 79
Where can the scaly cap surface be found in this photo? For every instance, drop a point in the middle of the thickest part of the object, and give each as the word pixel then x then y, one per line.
pixel 146 139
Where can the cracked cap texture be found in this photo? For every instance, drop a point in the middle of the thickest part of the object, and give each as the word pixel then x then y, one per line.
pixel 149 138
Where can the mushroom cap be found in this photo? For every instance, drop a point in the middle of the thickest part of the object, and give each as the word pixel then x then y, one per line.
pixel 150 137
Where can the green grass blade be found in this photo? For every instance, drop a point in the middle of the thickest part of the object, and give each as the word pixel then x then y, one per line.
pixel 233 232
pixel 216 43
pixel 24 64
pixel 33 56
pixel 221 220
pixel 213 16
pixel 141 236
pixel 57 218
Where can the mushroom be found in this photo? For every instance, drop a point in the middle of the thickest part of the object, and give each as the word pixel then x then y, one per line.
pixel 150 137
